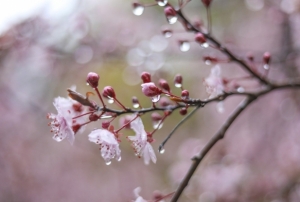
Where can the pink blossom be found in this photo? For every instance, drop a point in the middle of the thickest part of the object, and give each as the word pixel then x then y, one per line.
pixel 150 89
pixel 214 83
pixel 140 143
pixel 109 146
pixel 63 125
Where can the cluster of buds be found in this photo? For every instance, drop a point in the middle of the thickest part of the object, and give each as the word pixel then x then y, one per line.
pixel 77 111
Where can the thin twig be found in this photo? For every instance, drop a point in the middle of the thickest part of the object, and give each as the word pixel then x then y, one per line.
pixel 161 146
pixel 218 136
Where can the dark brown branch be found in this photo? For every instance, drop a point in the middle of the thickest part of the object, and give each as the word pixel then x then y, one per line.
pixel 218 136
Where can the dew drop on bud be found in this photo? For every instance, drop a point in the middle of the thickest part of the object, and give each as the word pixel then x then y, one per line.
pixel 108 162
pixel 178 85
pixel 172 19
pixel 138 10
pixel 87 84
pixel 168 34
pixel 205 45
pixel 266 66
pixel 162 2
pixel 119 159
pixel 162 151
pixel 184 46
pixel 136 105
pixel 240 89
pixel 207 62
pixel 155 98
pixel 111 101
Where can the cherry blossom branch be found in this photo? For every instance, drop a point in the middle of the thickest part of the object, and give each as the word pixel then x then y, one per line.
pixel 218 136
pixel 223 49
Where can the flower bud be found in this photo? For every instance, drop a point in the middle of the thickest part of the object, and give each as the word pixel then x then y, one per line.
pixel 169 11
pixel 164 85
pixel 185 94
pixel 209 60
pixel 108 92
pixel 105 124
pixel 93 117
pixel 200 38
pixel 125 121
pixel 267 57
pixel 183 111
pixel 164 102
pixel 178 81
pixel 167 33
pixel 150 89
pixel 156 116
pixel 146 77
pixel 92 79
pixel 206 2
pixel 135 102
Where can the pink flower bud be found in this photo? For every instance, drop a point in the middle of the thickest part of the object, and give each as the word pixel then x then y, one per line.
pixel 150 89
pixel 76 127
pixel 183 111
pixel 156 116
pixel 92 79
pixel 169 11
pixel 200 38
pixel 164 85
pixel 146 77
pixel 164 102
pixel 185 94
pixel 108 92
pixel 208 60
pixel 167 33
pixel 93 117
pixel 135 102
pixel 250 57
pixel 105 124
pixel 267 57
pixel 206 2
pixel 178 80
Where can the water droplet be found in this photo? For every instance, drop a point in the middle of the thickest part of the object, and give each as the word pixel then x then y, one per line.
pixel 119 159
pixel 157 125
pixel 266 66
pixel 162 151
pixel 178 85
pixel 111 101
pixel 136 105
pixel 240 89
pixel 138 10
pixel 205 45
pixel 87 84
pixel 106 116
pixel 155 98
pixel 162 2
pixel 108 162
pixel 168 34
pixel 220 107
pixel 185 46
pixel 207 62
pixel 172 19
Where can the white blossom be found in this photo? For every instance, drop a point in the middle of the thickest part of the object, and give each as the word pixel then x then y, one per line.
pixel 214 83
pixel 109 146
pixel 139 142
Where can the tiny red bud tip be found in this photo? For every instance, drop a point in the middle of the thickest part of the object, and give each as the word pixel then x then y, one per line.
pixel 183 111
pixel 146 77
pixel 93 79
pixel 93 117
pixel 105 124
pixel 169 11
pixel 185 94
pixel 267 57
pixel 178 79
pixel 200 38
